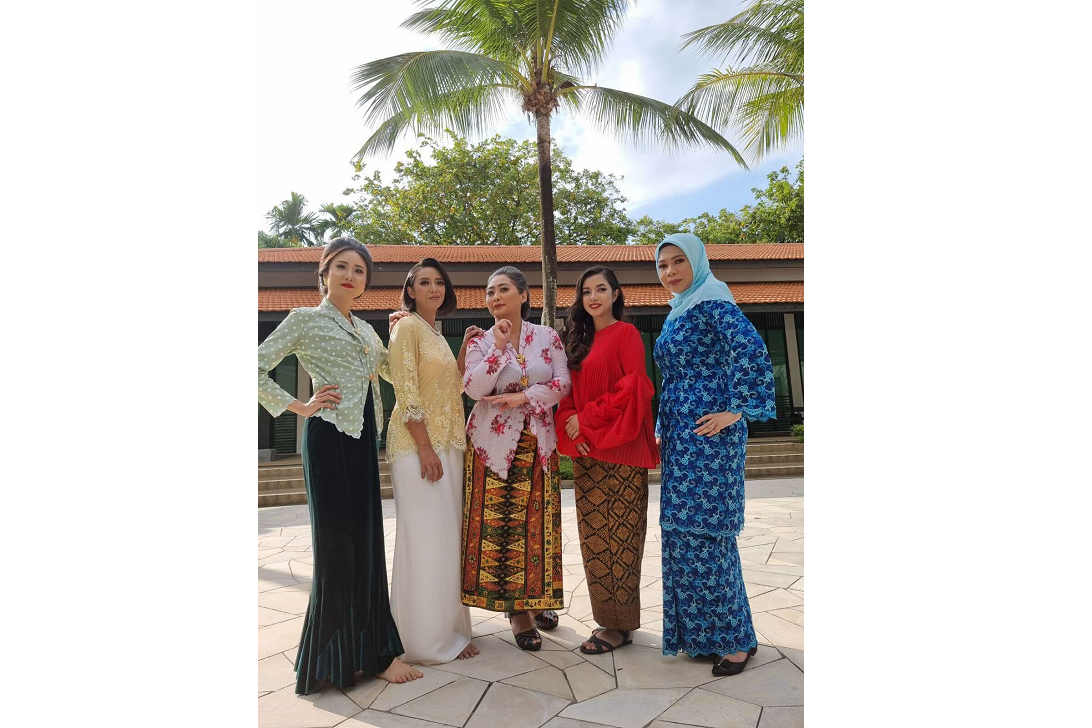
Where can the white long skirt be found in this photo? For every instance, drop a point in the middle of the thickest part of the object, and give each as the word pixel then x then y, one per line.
pixel 425 598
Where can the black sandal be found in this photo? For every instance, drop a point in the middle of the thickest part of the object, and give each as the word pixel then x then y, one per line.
pixel 530 640
pixel 547 620
pixel 602 646
pixel 725 668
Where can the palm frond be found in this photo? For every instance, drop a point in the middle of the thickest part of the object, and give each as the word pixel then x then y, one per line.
pixel 719 95
pixel 582 31
pixel 425 82
pixel 773 121
pixel 468 112
pixel 479 26
pixel 647 121
pixel 763 32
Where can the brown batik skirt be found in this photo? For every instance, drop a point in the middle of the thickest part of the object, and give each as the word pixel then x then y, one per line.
pixel 612 515
pixel 512 533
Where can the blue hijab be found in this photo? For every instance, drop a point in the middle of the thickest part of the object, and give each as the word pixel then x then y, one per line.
pixel 704 287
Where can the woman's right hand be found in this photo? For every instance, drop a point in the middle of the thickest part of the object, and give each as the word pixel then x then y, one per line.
pixel 325 398
pixel 471 332
pixel 431 467
pixel 500 333
pixel 395 318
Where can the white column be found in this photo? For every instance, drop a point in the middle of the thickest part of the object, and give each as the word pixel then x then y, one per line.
pixel 796 380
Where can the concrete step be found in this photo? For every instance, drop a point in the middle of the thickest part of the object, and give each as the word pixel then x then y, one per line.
pixel 771 448
pixel 298 496
pixel 294 461
pixel 774 471
pixel 787 458
pixel 283 484
pixel 282 498
pixel 280 473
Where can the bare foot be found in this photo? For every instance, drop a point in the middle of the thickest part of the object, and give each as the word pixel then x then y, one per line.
pixel 737 657
pixel 468 652
pixel 400 672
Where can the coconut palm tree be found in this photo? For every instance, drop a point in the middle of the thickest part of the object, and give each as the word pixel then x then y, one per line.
pixel 532 53
pixel 338 220
pixel 764 99
pixel 289 221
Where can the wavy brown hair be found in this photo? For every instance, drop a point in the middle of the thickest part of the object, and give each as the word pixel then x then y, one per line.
pixel 580 329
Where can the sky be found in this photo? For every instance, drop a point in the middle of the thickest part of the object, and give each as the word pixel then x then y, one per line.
pixel 311 127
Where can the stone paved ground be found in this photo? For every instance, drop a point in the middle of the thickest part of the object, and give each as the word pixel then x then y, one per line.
pixel 557 687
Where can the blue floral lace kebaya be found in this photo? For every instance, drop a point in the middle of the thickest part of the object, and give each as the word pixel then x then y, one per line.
pixel 712 360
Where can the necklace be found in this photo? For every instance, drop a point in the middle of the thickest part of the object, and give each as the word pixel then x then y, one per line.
pixel 430 326
pixel 523 380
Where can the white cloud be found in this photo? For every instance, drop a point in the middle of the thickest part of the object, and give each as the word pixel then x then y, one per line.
pixel 311 127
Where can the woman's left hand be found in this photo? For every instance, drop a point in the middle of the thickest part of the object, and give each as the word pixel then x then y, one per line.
pixel 572 427
pixel 709 425
pixel 511 399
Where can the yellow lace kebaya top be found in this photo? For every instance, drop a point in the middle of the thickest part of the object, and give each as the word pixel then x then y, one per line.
pixel 427 388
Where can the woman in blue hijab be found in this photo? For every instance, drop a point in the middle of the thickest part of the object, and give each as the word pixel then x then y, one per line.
pixel 717 377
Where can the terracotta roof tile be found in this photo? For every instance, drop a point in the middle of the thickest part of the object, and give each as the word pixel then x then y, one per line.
pixel 522 254
pixel 387 299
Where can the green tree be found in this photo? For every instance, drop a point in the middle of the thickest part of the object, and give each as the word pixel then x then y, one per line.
pixel 650 232
pixel 776 217
pixel 533 53
pixel 288 220
pixel 337 220
pixel 763 100
pixel 265 240
pixel 485 194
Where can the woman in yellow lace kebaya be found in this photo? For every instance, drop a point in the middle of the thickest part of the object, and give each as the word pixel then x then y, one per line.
pixel 426 439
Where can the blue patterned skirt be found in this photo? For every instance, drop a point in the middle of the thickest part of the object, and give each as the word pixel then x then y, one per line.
pixel 705 603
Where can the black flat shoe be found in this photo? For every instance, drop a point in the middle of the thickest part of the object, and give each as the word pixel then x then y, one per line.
pixel 546 620
pixel 602 646
pixel 724 668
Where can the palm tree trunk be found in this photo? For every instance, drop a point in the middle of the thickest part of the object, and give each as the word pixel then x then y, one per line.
pixel 546 214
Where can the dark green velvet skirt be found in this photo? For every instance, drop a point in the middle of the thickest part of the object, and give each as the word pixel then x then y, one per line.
pixel 348 626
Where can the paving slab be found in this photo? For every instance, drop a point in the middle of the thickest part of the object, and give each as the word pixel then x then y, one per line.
pixel 782 718
pixel 557 686
pixel 712 710
pixel 496 660
pixel 285 709
pixel 396 694
pixel 777 684
pixel 452 704
pixel 274 673
pixel 548 680
pixel 515 707
pixel 587 681
pixel 625 708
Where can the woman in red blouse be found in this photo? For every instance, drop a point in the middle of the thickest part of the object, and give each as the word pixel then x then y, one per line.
pixel 606 426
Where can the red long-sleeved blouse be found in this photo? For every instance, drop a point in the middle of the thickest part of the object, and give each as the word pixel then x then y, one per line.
pixel 612 398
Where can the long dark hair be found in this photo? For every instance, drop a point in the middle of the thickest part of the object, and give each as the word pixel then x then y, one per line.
pixel 580 330
pixel 449 303
pixel 520 282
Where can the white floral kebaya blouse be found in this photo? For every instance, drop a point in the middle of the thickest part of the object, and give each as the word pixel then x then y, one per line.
pixel 332 350
pixel 539 369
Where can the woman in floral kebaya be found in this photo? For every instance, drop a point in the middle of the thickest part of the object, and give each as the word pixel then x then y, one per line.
pixel 511 560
